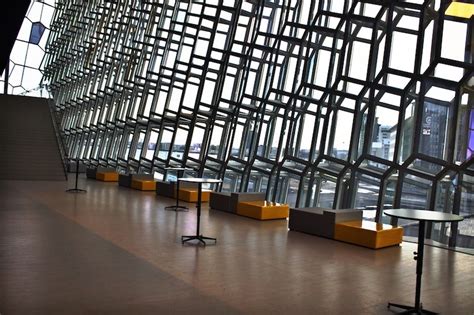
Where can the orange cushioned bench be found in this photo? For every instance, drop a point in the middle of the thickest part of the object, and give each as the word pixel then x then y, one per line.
pixel 369 234
pixel 191 194
pixel 263 210
pixel 107 176
pixel 143 184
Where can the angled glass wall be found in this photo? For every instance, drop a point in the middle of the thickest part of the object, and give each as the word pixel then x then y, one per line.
pixel 25 68
pixel 317 103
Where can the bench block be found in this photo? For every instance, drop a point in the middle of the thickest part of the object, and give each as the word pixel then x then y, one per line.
pixel 141 184
pixel 220 201
pixel 311 221
pixel 125 180
pixel 91 172
pixel 107 176
pixel 165 189
pixel 228 202
pixel 191 195
pixel 320 221
pixel 263 210
pixel 369 234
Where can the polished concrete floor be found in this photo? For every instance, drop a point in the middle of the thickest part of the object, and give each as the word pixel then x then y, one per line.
pixel 114 250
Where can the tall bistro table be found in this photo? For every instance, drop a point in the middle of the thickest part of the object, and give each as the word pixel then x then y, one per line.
pixel 422 216
pixel 179 173
pixel 202 239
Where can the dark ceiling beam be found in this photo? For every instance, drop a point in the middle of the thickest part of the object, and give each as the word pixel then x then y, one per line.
pixel 11 18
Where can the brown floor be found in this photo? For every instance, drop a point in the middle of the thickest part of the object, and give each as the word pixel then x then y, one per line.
pixel 117 251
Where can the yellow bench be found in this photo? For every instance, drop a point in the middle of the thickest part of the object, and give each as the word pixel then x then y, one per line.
pixel 107 176
pixel 263 210
pixel 369 234
pixel 191 195
pixel 142 184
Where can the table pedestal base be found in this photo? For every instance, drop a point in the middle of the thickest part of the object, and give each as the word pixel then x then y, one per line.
pixel 410 309
pixel 200 238
pixel 177 208
pixel 76 190
pixel 422 216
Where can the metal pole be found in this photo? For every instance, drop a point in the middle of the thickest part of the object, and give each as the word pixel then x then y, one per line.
pixel 77 171
pixel 179 175
pixel 199 208
pixel 419 264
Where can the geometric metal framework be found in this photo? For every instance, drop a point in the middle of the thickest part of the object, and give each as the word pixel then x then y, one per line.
pixel 338 104
pixel 24 71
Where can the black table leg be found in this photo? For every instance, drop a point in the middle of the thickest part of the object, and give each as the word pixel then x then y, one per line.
pixel 198 236
pixel 177 207
pixel 418 308
pixel 75 189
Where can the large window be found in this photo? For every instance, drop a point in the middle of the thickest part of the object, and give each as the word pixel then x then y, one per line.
pixel 317 103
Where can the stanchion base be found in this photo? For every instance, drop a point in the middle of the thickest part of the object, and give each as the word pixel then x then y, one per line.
pixel 410 309
pixel 177 208
pixel 76 190
pixel 200 238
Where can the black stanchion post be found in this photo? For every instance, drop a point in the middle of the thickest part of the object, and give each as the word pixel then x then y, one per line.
pixel 75 189
pixel 179 174
pixel 77 172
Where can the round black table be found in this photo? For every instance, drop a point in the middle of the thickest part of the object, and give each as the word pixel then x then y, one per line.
pixel 198 236
pixel 422 216
pixel 179 173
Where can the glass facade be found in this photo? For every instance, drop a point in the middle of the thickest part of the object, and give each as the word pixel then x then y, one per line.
pixel 317 103
pixel 24 69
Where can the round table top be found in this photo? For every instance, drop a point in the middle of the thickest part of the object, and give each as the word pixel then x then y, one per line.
pixel 199 180
pixel 178 168
pixel 423 215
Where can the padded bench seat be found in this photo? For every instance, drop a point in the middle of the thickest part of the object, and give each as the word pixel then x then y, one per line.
pixel 91 172
pixel 263 210
pixel 107 176
pixel 190 194
pixel 125 180
pixel 227 202
pixel 165 189
pixel 369 234
pixel 168 189
pixel 220 201
pixel 320 221
pixel 143 184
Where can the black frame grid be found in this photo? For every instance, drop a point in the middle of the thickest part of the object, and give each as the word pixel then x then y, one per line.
pixel 318 103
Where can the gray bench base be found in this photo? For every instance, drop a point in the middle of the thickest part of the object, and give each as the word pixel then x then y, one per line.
pixel 227 202
pixel 91 172
pixel 125 180
pixel 168 189
pixel 320 221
